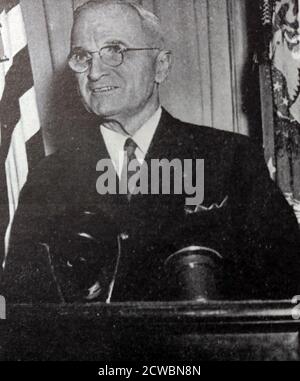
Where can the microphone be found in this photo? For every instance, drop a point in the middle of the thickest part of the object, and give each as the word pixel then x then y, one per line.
pixel 194 273
pixel 83 258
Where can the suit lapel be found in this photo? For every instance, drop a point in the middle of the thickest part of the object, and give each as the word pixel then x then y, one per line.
pixel 163 146
pixel 88 150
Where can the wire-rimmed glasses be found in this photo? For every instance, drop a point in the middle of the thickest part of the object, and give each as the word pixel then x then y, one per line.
pixel 111 55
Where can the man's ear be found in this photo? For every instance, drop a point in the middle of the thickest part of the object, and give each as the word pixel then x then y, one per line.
pixel 163 66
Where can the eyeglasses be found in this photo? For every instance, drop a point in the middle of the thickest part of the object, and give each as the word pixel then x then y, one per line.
pixel 111 55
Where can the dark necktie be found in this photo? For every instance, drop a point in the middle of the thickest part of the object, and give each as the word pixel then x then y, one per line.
pixel 129 149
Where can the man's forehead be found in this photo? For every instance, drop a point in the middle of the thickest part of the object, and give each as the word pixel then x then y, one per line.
pixel 108 22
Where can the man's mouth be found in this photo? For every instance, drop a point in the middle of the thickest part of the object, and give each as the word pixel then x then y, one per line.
pixel 104 89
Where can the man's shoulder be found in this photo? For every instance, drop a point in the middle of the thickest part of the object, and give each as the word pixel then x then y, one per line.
pixel 57 159
pixel 212 138
pixel 53 168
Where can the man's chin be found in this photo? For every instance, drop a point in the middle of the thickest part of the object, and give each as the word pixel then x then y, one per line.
pixel 96 108
pixel 104 112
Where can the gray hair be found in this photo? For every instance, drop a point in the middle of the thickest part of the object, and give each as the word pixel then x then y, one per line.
pixel 150 22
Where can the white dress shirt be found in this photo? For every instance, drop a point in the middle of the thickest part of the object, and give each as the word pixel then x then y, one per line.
pixel 115 141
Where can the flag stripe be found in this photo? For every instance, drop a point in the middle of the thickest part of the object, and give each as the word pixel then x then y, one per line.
pixel 29 112
pixel 22 157
pixel 16 168
pixel 16 171
pixel 17 157
pixel 4 210
pixel 21 144
pixel 35 150
pixel 16 30
pixel 10 112
pixel 13 34
pixel 23 77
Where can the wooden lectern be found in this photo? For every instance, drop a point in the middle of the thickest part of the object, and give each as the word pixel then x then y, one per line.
pixel 190 331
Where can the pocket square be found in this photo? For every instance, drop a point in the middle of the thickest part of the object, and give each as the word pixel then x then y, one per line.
pixel 201 208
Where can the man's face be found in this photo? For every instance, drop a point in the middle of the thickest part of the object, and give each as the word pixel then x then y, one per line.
pixel 115 92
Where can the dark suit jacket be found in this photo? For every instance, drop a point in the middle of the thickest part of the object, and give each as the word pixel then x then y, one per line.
pixel 255 230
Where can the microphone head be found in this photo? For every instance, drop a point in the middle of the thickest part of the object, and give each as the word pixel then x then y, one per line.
pixel 194 273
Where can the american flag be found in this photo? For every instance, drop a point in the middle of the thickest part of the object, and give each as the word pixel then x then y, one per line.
pixel 21 143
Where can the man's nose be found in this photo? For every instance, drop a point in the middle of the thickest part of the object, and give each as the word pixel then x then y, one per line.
pixel 97 68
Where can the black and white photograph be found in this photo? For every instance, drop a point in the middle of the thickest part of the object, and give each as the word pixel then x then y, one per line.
pixel 149 182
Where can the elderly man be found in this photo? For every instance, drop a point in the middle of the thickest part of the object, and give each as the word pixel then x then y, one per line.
pixel 70 242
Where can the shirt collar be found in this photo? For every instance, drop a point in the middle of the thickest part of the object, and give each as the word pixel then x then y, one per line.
pixel 142 137
pixel 115 141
